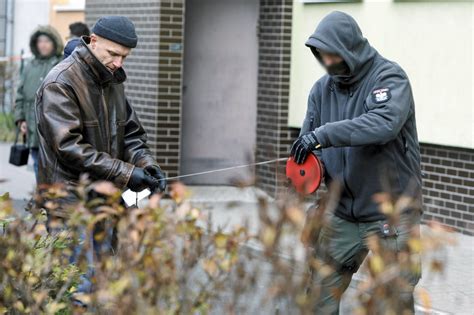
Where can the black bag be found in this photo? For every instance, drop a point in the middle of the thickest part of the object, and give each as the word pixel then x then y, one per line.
pixel 19 152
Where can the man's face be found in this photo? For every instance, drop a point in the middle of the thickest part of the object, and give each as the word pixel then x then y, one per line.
pixel 109 53
pixel 329 59
pixel 45 46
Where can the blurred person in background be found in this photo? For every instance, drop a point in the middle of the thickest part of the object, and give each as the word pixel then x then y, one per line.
pixel 76 31
pixel 46 46
pixel 360 122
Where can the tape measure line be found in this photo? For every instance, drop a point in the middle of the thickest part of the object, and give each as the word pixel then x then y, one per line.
pixel 132 198
pixel 225 169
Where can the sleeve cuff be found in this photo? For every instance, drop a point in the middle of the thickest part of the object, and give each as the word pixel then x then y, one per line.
pixel 322 137
pixel 146 161
pixel 120 173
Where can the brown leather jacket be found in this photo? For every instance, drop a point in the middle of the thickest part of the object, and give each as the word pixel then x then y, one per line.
pixel 86 124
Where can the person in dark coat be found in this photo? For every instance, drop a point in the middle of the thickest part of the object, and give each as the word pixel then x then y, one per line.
pixel 360 122
pixel 46 46
pixel 86 124
pixel 76 31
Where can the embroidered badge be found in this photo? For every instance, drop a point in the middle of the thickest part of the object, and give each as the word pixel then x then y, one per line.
pixel 381 95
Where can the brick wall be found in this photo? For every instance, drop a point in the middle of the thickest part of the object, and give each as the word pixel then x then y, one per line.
pixel 154 69
pixel 448 187
pixel 273 136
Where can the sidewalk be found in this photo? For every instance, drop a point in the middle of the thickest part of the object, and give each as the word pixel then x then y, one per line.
pixel 451 292
pixel 20 182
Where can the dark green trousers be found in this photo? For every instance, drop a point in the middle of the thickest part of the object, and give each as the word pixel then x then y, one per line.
pixel 343 246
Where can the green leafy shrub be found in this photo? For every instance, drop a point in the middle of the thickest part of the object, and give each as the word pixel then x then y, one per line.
pixel 7 127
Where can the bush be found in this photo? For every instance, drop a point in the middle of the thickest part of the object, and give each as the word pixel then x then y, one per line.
pixel 169 260
pixel 7 127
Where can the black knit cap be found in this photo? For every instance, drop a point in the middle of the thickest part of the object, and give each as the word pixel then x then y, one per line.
pixel 118 29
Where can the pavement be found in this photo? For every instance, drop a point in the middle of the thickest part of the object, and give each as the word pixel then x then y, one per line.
pixel 451 292
pixel 20 180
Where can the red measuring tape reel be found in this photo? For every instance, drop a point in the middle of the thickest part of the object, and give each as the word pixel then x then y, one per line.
pixel 306 177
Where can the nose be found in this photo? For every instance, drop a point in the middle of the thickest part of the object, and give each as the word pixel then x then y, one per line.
pixel 328 62
pixel 118 62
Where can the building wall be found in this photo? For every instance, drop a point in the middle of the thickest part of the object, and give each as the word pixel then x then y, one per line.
pixel 222 36
pixel 28 15
pixel 64 12
pixel 274 137
pixel 3 27
pixel 154 69
pixel 448 186
pixel 433 41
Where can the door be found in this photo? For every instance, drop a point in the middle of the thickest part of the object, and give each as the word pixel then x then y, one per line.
pixel 219 89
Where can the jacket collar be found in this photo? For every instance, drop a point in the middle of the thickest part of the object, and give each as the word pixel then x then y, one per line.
pixel 99 72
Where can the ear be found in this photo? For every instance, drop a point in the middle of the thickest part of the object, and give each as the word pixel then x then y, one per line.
pixel 93 40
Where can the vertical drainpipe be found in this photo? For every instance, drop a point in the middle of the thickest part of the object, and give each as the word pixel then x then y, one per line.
pixel 9 19
pixel 10 5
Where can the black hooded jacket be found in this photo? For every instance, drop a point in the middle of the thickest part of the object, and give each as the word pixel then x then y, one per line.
pixel 364 121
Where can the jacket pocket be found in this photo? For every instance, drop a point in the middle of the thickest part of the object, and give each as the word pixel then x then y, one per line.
pixel 92 134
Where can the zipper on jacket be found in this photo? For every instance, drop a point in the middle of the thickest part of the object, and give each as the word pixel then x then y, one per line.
pixel 344 176
pixel 106 113
pixel 345 181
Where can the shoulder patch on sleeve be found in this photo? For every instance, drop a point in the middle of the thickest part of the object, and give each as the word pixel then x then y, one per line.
pixel 381 95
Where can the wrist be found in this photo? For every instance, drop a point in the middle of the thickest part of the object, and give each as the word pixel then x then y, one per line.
pixel 129 175
pixel 311 141
pixel 322 137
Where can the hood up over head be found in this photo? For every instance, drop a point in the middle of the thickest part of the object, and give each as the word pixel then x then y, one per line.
pixel 339 33
pixel 51 33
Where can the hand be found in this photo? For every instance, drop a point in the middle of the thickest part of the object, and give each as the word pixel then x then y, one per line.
pixel 23 127
pixel 303 145
pixel 157 173
pixel 141 179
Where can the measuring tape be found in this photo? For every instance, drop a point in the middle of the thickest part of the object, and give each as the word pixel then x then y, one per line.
pixel 306 177
pixel 132 198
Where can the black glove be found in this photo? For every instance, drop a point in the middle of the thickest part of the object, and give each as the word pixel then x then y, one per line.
pixel 303 145
pixel 141 179
pixel 157 173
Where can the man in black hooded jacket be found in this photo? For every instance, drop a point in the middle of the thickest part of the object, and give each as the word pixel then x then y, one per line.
pixel 360 122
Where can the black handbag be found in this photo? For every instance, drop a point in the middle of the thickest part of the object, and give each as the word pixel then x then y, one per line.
pixel 19 152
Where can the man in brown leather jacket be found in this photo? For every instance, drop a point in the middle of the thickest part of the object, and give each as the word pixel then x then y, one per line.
pixel 86 124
